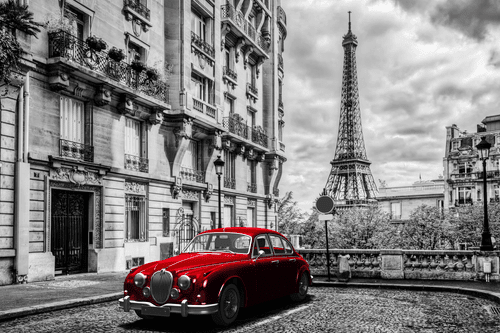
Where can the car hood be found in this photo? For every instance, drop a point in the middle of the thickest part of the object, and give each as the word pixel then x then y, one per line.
pixel 190 261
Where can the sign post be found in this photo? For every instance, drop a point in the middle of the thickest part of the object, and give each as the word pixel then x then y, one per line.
pixel 325 205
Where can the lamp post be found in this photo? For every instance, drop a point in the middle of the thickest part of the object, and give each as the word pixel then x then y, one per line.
pixel 484 150
pixel 219 164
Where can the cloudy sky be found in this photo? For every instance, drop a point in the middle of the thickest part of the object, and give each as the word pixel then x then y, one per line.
pixel 422 65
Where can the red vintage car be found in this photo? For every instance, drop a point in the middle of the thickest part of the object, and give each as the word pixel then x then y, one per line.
pixel 220 271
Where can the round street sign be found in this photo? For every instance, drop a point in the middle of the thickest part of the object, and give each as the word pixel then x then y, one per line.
pixel 324 204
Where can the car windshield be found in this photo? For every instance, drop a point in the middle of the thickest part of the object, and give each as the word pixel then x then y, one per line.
pixel 220 242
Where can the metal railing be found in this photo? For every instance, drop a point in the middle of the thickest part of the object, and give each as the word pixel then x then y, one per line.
pixel 280 62
pixel 136 163
pixel 201 44
pixel 76 150
pixel 138 7
pixel 239 128
pixel 192 175
pixel 65 45
pixel 252 89
pixel 281 15
pixel 230 73
pixel 229 182
pixel 252 187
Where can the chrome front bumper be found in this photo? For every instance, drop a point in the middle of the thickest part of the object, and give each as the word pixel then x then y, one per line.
pixel 184 308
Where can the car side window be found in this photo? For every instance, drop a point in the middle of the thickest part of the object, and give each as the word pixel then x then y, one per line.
pixel 261 243
pixel 277 244
pixel 288 246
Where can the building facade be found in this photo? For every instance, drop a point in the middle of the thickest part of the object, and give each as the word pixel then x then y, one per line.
pixel 464 170
pixel 113 151
pixel 400 201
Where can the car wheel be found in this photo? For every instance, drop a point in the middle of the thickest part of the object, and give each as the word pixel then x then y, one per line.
pixel 229 306
pixel 303 287
pixel 146 317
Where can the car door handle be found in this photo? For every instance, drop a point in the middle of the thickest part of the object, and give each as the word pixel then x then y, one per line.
pixel 293 260
pixel 275 261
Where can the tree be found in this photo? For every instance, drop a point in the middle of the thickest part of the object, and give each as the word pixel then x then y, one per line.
pixel 290 216
pixel 427 229
pixel 13 17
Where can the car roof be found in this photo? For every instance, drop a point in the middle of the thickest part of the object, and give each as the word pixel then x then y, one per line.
pixel 244 230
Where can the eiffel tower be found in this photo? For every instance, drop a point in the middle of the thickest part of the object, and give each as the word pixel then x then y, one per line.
pixel 350 183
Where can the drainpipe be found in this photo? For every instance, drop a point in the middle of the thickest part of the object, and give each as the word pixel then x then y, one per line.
pixel 22 189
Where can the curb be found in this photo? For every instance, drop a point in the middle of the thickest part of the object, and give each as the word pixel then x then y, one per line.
pixel 31 310
pixel 495 297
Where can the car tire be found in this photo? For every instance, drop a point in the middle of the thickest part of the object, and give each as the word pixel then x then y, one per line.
pixel 303 287
pixel 229 306
pixel 146 317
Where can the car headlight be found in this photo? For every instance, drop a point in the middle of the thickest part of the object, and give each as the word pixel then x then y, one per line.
pixel 146 292
pixel 139 280
pixel 184 282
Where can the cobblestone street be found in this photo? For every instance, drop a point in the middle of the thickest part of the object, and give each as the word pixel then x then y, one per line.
pixel 326 310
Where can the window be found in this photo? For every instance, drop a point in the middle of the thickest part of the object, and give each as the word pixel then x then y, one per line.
pixel 192 158
pixel 251 118
pixel 228 217
pixel 166 222
pixel 202 27
pixel 280 131
pixel 251 176
pixel 74 141
pixel 203 88
pixel 251 217
pixel 135 218
pixel 497 192
pixel 251 74
pixel 455 145
pixel 465 167
pixel 81 20
pixel 464 195
pixel 229 104
pixel 261 243
pixel 278 247
pixel 288 246
pixel 135 52
pixel 395 210
pixel 213 221
pixel 135 146
pixel 230 162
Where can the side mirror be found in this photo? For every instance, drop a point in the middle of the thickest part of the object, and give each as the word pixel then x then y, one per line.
pixel 261 252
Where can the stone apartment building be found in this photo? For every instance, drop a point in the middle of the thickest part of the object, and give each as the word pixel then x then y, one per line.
pixel 463 169
pixel 108 157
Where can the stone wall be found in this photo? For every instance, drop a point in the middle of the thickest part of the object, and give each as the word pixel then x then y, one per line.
pixel 406 264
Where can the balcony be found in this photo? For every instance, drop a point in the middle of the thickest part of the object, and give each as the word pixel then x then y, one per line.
pixel 229 182
pixel 256 134
pixel 135 9
pixel 192 175
pixel 282 20
pixel 259 136
pixel 136 163
pixel 204 108
pixel 252 91
pixel 76 150
pixel 67 46
pixel 252 187
pixel 229 76
pixel 202 48
pixel 243 28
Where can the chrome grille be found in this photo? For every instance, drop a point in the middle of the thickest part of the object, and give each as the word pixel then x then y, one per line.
pixel 161 284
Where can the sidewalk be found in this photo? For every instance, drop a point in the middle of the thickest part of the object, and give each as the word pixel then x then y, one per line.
pixel 83 289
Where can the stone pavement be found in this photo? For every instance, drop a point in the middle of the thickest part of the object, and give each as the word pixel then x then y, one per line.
pixel 91 288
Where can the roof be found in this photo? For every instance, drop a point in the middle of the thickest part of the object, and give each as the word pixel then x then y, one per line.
pixel 244 230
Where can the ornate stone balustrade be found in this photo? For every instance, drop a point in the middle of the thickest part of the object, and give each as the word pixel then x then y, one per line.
pixel 406 264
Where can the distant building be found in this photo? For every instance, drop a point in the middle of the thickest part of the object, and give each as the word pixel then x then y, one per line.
pixel 463 169
pixel 400 201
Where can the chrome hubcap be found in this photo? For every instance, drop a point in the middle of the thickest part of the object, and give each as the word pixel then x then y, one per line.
pixel 230 304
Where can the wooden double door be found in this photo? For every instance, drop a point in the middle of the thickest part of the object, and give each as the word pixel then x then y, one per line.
pixel 69 242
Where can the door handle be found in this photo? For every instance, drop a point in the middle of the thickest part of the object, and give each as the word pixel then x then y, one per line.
pixel 293 260
pixel 275 261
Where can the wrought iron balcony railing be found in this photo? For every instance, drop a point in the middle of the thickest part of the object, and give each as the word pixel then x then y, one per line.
pixel 235 127
pixel 229 182
pixel 252 89
pixel 230 73
pixel 237 19
pixel 252 187
pixel 136 163
pixel 192 175
pixel 281 15
pixel 202 45
pixel 76 150
pixel 139 7
pixel 65 45
pixel 280 61
pixel 259 137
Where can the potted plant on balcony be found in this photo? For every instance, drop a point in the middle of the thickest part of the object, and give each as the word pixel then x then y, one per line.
pixel 137 65
pixel 116 54
pixel 152 73
pixel 62 32
pixel 96 43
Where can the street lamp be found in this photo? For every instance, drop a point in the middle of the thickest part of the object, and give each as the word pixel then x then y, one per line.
pixel 219 164
pixel 484 150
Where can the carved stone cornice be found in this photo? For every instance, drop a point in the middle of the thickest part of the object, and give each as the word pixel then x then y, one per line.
pixel 103 95
pixel 126 105
pixel 250 154
pixel 184 131
pixel 135 188
pixel 228 200
pixel 176 188
pixel 76 172
pixel 190 195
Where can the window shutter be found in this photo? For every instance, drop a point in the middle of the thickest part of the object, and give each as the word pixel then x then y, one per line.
pixel 71 120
